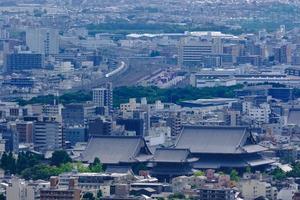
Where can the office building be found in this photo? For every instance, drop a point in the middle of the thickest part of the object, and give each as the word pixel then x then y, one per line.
pixel 74 134
pixel 77 113
pixel 25 131
pixel 99 126
pixel 132 125
pixel 195 51
pixel 103 97
pixel 47 136
pixel 16 62
pixel 43 40
pixel 192 51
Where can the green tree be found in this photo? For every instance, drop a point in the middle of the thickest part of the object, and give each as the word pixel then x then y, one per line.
pixel 8 162
pixel 88 196
pixel 96 166
pixel 279 174
pixel 27 160
pixel 40 171
pixel 234 175
pixel 81 167
pixel 60 157
pixel 177 196
pixel 154 54
pixel 99 194
pixel 199 173
pixel 43 171
pixel 2 197
pixel 248 169
pixel 4 161
pixel 295 170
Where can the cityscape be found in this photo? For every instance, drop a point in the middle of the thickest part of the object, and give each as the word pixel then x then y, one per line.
pixel 149 100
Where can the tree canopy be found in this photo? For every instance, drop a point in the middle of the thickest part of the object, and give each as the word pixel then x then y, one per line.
pixel 60 157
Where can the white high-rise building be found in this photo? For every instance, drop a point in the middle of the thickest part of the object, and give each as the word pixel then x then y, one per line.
pixel 43 40
pixel 103 97
pixel 48 136
pixel 192 50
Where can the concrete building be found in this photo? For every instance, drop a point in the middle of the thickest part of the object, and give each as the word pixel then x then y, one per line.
pixel 103 97
pixel 252 188
pixel 25 131
pixel 259 114
pixel 48 136
pixel 216 193
pixel 20 189
pixel 59 193
pixel 74 134
pixel 192 50
pixel 174 121
pixel 43 40
pixel 78 114
pixel 16 62
pixel 99 126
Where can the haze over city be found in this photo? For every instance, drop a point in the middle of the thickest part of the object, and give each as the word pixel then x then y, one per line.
pixel 149 99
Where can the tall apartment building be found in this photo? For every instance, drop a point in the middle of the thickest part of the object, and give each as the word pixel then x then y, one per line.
pixel 25 131
pixel 283 54
pixel 174 121
pixel 43 40
pixel 103 97
pixel 48 136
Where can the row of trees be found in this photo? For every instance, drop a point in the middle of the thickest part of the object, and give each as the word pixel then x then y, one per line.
pixel 279 174
pixel 174 95
pixel 33 166
pixel 122 94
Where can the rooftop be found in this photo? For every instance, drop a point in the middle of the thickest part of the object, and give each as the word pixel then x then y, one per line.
pixel 115 149
pixel 217 140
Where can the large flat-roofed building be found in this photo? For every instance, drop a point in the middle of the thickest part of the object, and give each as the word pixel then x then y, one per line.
pixel 16 62
pixel 222 147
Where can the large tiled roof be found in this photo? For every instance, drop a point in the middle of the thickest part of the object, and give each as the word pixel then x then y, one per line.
pixel 115 149
pixel 220 140
pixel 171 155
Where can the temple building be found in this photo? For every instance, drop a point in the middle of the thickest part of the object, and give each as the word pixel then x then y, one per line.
pixel 222 147
pixel 169 163
pixel 117 151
